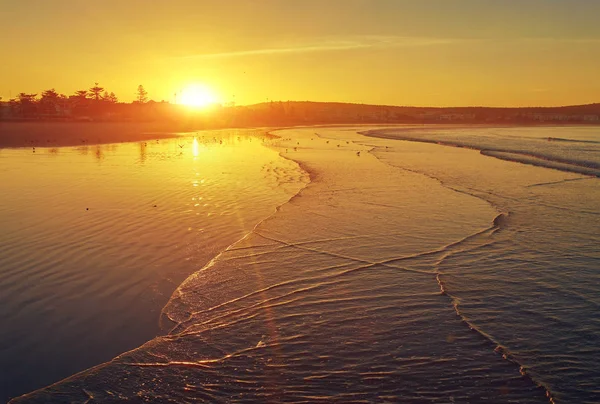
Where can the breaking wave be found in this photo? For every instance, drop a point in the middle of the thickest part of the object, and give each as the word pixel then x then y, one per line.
pixel 568 156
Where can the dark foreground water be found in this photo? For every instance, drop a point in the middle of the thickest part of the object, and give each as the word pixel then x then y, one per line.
pixel 404 272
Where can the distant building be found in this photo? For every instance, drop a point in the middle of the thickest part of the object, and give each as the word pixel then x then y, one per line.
pixel 553 117
pixel 456 117
pixel 439 116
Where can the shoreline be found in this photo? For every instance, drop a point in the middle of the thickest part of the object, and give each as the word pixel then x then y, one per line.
pixel 70 134
pixel 191 315
pixel 164 316
pixel 516 156
pixel 16 134
pixel 328 194
pixel 211 152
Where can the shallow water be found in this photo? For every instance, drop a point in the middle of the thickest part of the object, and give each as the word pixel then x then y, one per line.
pixel 534 290
pixel 571 149
pixel 404 272
pixel 95 239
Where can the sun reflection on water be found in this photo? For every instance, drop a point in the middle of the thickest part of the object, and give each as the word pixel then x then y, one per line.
pixel 99 226
pixel 195 149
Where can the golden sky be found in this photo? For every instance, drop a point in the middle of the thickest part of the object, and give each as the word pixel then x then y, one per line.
pixel 397 52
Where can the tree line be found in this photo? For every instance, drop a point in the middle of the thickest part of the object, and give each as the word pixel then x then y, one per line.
pixel 51 104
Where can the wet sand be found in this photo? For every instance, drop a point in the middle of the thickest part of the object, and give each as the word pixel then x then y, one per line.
pixel 60 134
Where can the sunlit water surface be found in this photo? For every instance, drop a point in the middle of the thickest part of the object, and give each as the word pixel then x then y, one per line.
pixel 532 288
pixel 95 239
pixel 404 272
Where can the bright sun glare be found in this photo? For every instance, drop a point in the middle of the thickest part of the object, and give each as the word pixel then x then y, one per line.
pixel 197 96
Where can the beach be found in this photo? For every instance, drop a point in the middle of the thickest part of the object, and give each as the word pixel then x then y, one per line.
pixel 291 201
pixel 398 265
pixel 62 134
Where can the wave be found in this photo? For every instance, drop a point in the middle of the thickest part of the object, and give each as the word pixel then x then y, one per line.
pixel 467 245
pixel 525 156
pixel 573 166
pixel 500 220
pixel 561 139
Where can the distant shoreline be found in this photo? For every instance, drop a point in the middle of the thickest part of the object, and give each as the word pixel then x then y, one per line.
pixel 66 134
pixel 20 134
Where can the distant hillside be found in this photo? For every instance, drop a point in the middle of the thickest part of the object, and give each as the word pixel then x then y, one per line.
pixel 290 113
pixel 333 112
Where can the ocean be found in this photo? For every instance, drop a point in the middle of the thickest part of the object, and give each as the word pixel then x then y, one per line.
pixel 418 265
pixel 95 239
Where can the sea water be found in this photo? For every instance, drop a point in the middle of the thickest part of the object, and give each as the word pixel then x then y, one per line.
pixel 404 272
pixel 95 239
pixel 535 292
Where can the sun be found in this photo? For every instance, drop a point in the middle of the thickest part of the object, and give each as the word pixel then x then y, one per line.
pixel 197 96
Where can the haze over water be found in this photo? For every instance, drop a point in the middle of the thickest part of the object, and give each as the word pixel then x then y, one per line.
pixel 403 272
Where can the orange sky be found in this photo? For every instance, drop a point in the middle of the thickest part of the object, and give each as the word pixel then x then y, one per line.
pixel 399 52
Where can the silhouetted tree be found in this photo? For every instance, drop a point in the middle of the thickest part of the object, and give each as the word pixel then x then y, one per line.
pixel 13 106
pixel 50 94
pixel 27 104
pixel 96 91
pixel 142 95
pixel 78 102
pixel 24 97
pixel 80 96
pixel 49 102
pixel 112 98
pixel 64 104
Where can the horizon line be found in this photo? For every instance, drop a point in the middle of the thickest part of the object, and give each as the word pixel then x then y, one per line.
pixel 225 104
